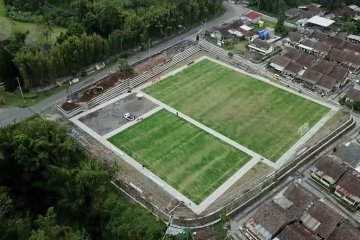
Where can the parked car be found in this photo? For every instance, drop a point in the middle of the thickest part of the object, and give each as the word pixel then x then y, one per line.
pixel 129 117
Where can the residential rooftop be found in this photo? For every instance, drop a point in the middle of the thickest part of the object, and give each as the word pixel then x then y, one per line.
pixel 329 169
pixel 344 231
pixel 349 152
pixel 349 184
pixel 296 231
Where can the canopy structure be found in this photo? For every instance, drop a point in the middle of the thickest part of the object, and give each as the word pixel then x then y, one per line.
pixel 320 21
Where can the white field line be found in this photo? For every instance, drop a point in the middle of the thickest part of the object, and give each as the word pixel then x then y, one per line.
pixel 281 161
pixel 195 208
pixel 132 123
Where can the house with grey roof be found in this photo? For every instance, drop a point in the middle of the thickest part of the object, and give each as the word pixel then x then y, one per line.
pixel 321 219
pixel 347 189
pixel 344 231
pixel 293 39
pixel 296 231
pixel 310 78
pixel 261 47
pixel 279 62
pixel 353 95
pixel 327 171
pixel 349 153
pixel 267 221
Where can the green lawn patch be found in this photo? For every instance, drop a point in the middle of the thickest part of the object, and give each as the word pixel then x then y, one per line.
pixel 14 99
pixel 8 27
pixel 189 159
pixel 259 116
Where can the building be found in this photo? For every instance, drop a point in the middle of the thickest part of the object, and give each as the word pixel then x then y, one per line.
pixel 252 16
pixel 293 53
pixel 326 85
pixel 344 231
pixel 349 153
pixel 296 231
pixel 327 171
pixel 320 22
pixel 347 60
pixel 266 222
pixel 292 13
pixel 292 69
pixel 261 47
pixel 310 78
pixel 354 38
pixel 347 189
pixel 279 62
pixel 293 39
pixel 319 49
pixel 306 60
pixel 321 219
pixel 353 95
pixel 294 200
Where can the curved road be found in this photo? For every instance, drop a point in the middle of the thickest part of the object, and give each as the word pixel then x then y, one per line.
pixel 11 115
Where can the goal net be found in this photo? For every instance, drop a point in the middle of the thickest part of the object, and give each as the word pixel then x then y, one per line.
pixel 303 129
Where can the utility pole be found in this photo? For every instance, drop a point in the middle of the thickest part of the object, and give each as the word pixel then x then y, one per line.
pixel 17 79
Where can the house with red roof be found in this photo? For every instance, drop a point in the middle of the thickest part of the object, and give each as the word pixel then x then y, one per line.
pixel 253 16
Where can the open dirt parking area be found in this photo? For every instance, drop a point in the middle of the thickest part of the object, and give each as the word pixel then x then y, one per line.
pixel 111 117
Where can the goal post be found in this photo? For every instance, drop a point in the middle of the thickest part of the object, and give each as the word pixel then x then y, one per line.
pixel 303 129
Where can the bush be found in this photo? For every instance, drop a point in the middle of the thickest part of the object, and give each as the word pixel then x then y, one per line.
pixel 2 101
pixel 230 54
pixel 30 96
pixel 23 16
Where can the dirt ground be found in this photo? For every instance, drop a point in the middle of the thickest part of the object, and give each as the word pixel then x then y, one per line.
pixel 111 117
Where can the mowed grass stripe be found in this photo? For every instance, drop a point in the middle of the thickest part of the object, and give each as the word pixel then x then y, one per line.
pixel 186 157
pixel 259 116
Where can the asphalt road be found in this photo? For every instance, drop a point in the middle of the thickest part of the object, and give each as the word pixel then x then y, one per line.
pixel 10 116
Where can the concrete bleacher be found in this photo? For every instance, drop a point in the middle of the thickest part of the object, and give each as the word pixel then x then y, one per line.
pixel 127 84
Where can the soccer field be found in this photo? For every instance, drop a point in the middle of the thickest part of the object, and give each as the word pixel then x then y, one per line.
pixel 257 115
pixel 187 158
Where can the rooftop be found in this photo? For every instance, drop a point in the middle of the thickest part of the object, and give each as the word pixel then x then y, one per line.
pixel 327 83
pixel 306 60
pixel 293 67
pixel 344 57
pixel 295 37
pixel 323 66
pixel 321 219
pixel 311 76
pixel 349 152
pixel 353 94
pixel 344 231
pixel 296 231
pixel 354 37
pixel 261 44
pixel 320 21
pixel 294 200
pixel 349 184
pixel 339 73
pixel 293 53
pixel 328 168
pixel 280 61
pixel 270 216
pixel 252 15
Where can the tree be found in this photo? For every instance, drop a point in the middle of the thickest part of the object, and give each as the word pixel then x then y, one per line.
pixel 349 27
pixel 125 70
pixel 280 26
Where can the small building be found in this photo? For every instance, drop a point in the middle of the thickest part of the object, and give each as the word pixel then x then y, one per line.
pixel 319 49
pixel 266 222
pixel 344 231
pixel 279 62
pixel 310 78
pixel 326 85
pixel 293 53
pixel 321 219
pixel 293 39
pixel 347 189
pixel 349 153
pixel 321 22
pixel 249 35
pixel 306 60
pixel 292 13
pixel 353 95
pixel 347 60
pixel 294 200
pixel 252 16
pixel 261 47
pixel 327 171
pixel 292 69
pixel 323 66
pixel 296 231
pixel 353 38
pixel 352 47
pixel 340 74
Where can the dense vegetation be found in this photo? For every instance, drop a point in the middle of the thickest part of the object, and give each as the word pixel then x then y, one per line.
pixel 97 30
pixel 50 190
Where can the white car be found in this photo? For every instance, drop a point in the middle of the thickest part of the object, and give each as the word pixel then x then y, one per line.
pixel 129 117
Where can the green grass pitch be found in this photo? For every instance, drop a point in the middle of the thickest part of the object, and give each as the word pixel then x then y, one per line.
pixel 255 114
pixel 187 158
